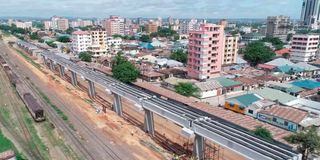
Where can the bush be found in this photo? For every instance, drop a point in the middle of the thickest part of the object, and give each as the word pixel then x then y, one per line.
pixel 186 89
pixel 85 56
pixel 263 133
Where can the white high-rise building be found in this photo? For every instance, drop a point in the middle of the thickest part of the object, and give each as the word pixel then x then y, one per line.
pixel 81 40
pixel 230 49
pixel 59 23
pixel 304 47
pixel 310 13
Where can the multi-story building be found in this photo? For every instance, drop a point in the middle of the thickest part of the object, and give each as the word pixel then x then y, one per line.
pixel 114 45
pixel 24 25
pixel 81 40
pixel 230 49
pixel 114 25
pixel 186 27
pixel 170 20
pixel 278 26
pixel 223 22
pixel 62 24
pixel 47 25
pixel 310 13
pixel 205 51
pixel 59 23
pixel 304 48
pixel 151 27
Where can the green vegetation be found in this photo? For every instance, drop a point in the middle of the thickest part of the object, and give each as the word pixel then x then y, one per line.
pixel 38 24
pixel 6 144
pixel 64 39
pixel 257 52
pixel 125 37
pixel 276 42
pixel 164 32
pixel 70 30
pixel 26 57
pixel 180 56
pixel 58 111
pixel 51 44
pixel 85 56
pixel 34 36
pixel 145 38
pixel 186 89
pixel 263 133
pixel 123 70
pixel 13 29
pixel 308 142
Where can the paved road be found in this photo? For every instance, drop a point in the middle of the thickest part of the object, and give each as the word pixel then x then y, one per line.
pixel 95 141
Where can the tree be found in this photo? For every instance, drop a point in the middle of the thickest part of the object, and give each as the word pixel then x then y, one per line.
pixel 34 36
pixel 186 89
pixel 123 70
pixel 85 56
pixel 308 142
pixel 145 38
pixel 263 133
pixel 70 30
pixel 257 53
pixel 64 39
pixel 286 55
pixel 180 56
pixel 289 36
pixel 51 44
pixel 276 42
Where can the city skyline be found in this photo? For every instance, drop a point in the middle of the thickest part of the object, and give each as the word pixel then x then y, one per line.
pixel 153 8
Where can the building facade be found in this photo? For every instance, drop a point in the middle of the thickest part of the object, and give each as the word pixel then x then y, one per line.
pixel 278 26
pixel 310 13
pixel 62 24
pixel 304 48
pixel 81 40
pixel 151 27
pixel 205 51
pixel 230 49
pixel 114 25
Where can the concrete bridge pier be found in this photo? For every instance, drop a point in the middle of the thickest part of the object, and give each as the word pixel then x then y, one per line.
pixel 148 122
pixel 117 105
pixel 74 80
pixel 198 147
pixel 61 70
pixel 51 64
pixel 92 90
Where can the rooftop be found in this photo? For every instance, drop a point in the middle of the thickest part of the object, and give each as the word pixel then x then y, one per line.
pixel 248 81
pixel 244 100
pixel 308 84
pixel 288 113
pixel 208 85
pixel 225 82
pixel 307 66
pixel 280 62
pixel 274 95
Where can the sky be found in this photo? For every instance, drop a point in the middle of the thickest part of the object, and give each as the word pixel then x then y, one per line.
pixel 229 9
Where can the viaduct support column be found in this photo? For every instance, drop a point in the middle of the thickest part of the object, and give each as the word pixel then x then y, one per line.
pixel 148 122
pixel 74 80
pixel 92 90
pixel 61 70
pixel 51 65
pixel 198 147
pixel 117 105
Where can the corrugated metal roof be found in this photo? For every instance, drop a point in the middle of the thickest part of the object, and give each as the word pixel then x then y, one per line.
pixel 280 62
pixel 244 100
pixel 275 95
pixel 225 82
pixel 208 85
pixel 308 84
pixel 287 113
pixel 307 66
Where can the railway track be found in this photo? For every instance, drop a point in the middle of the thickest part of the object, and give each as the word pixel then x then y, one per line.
pixel 28 145
pixel 70 132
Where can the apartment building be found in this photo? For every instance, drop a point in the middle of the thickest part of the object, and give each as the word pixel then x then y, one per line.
pixel 59 23
pixel 151 27
pixel 278 26
pixel 205 51
pixel 81 40
pixel 23 25
pixel 310 13
pixel 114 25
pixel 47 25
pixel 304 47
pixel 99 44
pixel 230 49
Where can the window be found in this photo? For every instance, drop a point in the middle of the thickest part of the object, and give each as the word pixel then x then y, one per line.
pixel 274 119
pixel 250 111
pixel 285 123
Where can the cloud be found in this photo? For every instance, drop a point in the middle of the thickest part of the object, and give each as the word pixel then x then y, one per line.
pixel 152 8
